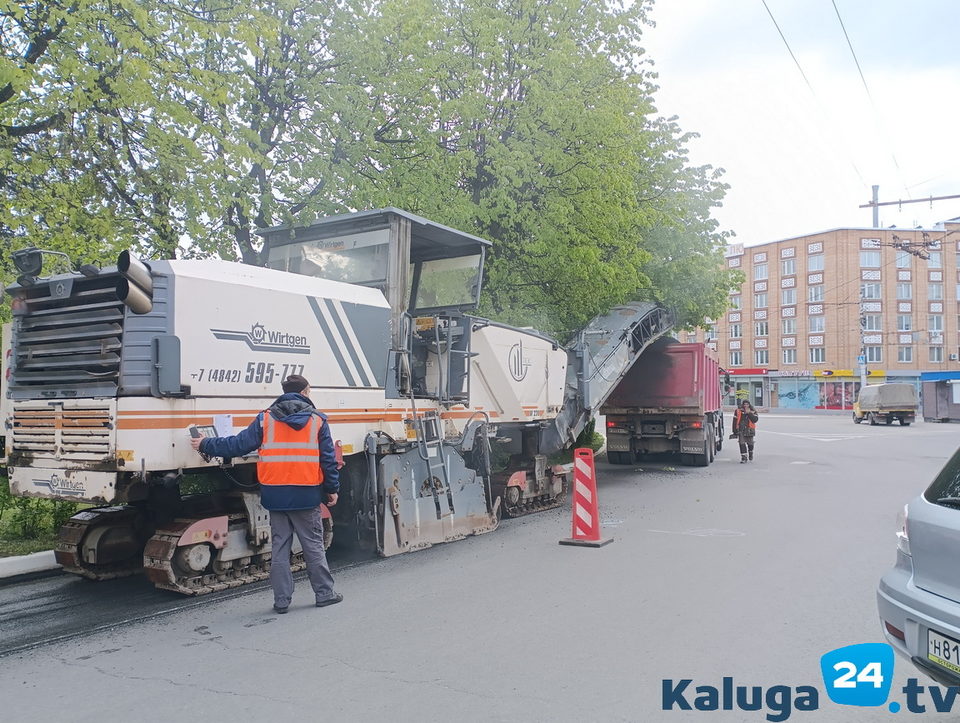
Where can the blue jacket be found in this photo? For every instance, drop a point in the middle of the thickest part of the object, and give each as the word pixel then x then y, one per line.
pixel 294 410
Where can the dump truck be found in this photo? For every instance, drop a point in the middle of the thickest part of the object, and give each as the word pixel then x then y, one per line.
pixel 669 401
pixel 886 403
pixel 443 420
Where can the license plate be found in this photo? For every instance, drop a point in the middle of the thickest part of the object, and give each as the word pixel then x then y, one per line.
pixel 943 651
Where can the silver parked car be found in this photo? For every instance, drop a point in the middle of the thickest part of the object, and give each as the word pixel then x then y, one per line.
pixel 919 598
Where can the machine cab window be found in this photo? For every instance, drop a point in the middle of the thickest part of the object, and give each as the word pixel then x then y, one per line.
pixel 430 275
pixel 420 266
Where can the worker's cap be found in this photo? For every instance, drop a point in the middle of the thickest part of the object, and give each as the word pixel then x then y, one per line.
pixel 294 384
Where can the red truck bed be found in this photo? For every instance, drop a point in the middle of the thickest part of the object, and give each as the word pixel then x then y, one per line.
pixel 668 377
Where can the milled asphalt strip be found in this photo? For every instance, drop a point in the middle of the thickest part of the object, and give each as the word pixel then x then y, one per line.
pixel 193 602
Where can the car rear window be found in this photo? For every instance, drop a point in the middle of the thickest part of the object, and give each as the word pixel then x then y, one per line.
pixel 945 489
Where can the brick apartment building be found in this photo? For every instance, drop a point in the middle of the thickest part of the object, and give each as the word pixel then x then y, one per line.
pixel 810 305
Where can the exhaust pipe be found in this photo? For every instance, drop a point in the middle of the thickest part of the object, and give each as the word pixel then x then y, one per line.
pixel 134 297
pixel 135 289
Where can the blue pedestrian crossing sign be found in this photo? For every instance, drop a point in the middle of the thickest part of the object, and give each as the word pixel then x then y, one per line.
pixel 861 360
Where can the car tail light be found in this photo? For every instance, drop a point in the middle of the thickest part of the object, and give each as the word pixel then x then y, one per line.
pixel 611 424
pixel 895 632
pixel 903 535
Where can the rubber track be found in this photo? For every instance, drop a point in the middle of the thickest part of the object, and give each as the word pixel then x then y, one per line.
pixel 535 504
pixel 67 550
pixel 158 565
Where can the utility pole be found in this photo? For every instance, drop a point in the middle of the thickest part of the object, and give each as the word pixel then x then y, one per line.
pixel 875 204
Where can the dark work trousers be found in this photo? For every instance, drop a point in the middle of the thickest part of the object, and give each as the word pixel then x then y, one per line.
pixel 309 528
pixel 746 443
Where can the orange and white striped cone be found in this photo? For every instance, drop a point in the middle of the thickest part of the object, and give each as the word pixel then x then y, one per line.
pixel 586 507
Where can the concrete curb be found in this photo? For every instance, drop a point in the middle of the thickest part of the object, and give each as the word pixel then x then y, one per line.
pixel 34 563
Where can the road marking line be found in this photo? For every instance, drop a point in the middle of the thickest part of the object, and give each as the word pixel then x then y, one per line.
pixel 708 532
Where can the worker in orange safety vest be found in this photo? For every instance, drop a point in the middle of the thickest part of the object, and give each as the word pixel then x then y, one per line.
pixel 297 469
pixel 745 428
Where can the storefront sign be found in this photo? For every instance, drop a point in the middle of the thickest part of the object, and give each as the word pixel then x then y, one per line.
pixel 847 373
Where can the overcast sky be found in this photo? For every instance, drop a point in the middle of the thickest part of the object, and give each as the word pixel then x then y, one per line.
pixel 801 158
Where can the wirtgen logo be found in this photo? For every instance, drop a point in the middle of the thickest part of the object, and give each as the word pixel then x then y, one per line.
pixel 857 675
pixel 259 338
pixel 61 485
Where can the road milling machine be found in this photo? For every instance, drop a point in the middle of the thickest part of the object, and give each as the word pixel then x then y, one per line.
pixel 444 421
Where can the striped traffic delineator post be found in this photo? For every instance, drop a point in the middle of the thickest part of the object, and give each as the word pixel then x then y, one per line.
pixel 586 508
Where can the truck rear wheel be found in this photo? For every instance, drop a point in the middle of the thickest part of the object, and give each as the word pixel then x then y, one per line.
pixel 888 419
pixel 873 419
pixel 856 419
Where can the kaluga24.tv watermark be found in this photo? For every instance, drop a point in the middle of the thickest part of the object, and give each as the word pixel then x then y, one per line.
pixel 857 675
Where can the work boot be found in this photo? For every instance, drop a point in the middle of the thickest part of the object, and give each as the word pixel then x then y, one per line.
pixel 337 597
pixel 743 458
pixel 751 455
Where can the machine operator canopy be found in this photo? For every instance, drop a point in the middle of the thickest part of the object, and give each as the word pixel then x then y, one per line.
pixel 419 265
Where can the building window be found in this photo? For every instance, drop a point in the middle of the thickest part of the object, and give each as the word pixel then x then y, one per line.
pixel 817 323
pixel 818 355
pixel 788 297
pixel 870 259
pixel 935 292
pixel 759 272
pixel 736 302
pixel 874 353
pixel 904 322
pixel 789 356
pixel 691 338
pixel 905 354
pixel 760 328
pixel 815 293
pixel 872 322
pixel 788 326
pixel 958 292
pixel 936 353
pixel 761 357
pixel 788 267
pixel 903 260
pixel 815 263
pixel 760 301
pixel 936 260
pixel 869 291
pixel 904 292
pixel 935 322
pixel 736 331
pixel 736 358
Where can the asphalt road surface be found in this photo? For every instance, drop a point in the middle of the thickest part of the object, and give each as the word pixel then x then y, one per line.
pixel 745 571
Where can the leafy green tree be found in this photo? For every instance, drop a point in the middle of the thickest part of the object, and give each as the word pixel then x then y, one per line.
pixel 183 127
pixel 686 267
pixel 89 140
pixel 532 123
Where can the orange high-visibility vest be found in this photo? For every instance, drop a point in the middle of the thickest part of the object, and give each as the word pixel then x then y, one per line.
pixel 736 421
pixel 290 456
